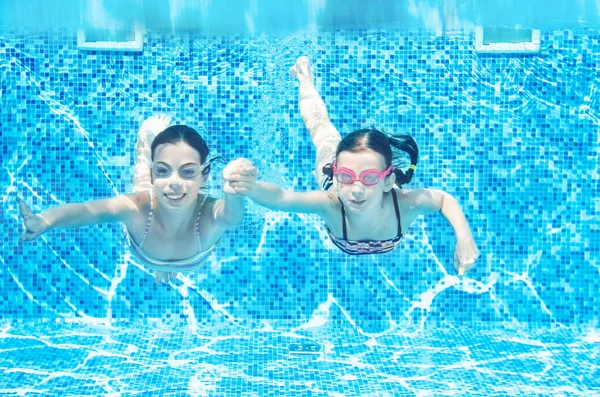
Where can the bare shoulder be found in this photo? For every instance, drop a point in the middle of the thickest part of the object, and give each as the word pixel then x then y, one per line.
pixel 133 206
pixel 329 207
pixel 331 199
pixel 327 203
pixel 135 201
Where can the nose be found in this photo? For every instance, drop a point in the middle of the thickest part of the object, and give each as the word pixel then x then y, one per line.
pixel 174 181
pixel 357 189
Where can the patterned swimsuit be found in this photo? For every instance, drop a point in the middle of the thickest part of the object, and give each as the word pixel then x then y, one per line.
pixel 363 247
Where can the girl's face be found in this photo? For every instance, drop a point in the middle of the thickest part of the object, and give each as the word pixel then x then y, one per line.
pixel 177 175
pixel 356 196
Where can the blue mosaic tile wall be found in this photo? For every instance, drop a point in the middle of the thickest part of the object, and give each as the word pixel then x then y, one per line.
pixel 514 138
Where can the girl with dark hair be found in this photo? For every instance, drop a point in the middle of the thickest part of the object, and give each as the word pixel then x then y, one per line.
pixel 171 225
pixel 363 212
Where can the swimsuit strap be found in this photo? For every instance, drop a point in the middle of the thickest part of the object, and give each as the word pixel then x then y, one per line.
pixel 397 212
pixel 151 213
pixel 396 209
pixel 149 220
pixel 344 234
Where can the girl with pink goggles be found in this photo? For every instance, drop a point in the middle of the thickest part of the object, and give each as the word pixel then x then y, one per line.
pixel 368 178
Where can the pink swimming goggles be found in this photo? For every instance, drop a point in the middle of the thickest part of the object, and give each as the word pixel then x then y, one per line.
pixel 368 178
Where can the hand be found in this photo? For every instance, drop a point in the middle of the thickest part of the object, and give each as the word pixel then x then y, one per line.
pixel 465 255
pixel 240 177
pixel 35 225
pixel 166 276
pixel 153 126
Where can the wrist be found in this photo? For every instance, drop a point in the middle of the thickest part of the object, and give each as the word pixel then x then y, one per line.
pixel 464 234
pixel 254 190
pixel 45 220
pixel 232 196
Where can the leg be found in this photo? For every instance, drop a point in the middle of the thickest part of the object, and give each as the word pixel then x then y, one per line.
pixel 324 135
pixel 142 177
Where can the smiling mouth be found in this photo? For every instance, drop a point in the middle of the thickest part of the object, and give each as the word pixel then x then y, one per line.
pixel 175 198
pixel 358 202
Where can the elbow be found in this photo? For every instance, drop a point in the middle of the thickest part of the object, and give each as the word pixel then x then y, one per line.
pixel 447 200
pixel 446 204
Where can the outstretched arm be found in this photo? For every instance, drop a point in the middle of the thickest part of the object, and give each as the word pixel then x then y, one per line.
pixel 426 201
pixel 274 197
pixel 75 215
pixel 229 211
pixel 241 178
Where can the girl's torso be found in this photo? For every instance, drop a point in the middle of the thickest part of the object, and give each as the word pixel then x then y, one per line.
pixel 383 224
pixel 157 243
pixel 382 231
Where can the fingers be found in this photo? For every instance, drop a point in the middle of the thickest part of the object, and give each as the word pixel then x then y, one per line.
pixel 242 188
pixel 239 168
pixel 164 276
pixel 462 269
pixel 227 189
pixel 241 184
pixel 243 164
pixel 24 210
pixel 457 267
pixel 240 179
pixel 465 255
pixel 28 219
pixel 463 265
pixel 240 173
pixel 28 236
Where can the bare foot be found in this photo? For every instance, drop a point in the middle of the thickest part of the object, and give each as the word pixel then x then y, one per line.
pixel 302 69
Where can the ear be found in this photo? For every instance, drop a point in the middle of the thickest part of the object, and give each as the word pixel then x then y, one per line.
pixel 389 182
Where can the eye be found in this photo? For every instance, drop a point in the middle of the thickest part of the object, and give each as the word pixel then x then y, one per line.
pixel 344 177
pixel 189 172
pixel 371 179
pixel 161 170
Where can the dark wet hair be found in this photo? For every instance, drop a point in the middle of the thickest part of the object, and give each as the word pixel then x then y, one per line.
pixel 182 133
pixel 389 146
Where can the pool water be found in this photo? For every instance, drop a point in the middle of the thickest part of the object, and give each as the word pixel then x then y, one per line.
pixel 155 359
pixel 277 309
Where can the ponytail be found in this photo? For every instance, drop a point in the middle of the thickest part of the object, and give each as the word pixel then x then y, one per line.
pixel 407 144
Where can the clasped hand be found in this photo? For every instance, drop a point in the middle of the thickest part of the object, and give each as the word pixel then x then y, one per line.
pixel 239 176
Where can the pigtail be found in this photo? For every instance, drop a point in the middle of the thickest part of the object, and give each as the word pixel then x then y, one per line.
pixel 328 170
pixel 408 145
